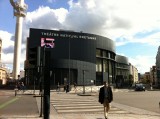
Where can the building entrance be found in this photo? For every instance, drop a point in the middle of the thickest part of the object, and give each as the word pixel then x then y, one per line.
pixel 62 77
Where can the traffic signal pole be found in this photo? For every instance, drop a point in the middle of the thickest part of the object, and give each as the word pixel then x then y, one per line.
pixel 46 96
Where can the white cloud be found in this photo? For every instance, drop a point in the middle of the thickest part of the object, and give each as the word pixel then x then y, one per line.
pixel 46 18
pixel 153 39
pixel 5 36
pixel 115 19
pixel 142 63
pixel 110 18
pixel 7 47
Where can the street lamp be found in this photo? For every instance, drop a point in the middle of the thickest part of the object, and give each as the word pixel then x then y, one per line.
pixel 69 58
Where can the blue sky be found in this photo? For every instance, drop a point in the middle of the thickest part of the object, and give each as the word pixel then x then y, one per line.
pixel 132 24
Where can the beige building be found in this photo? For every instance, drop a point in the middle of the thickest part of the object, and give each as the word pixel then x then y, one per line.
pixel 153 75
pixel 147 76
pixel 134 72
pixel 3 71
pixel 0 49
pixel 3 76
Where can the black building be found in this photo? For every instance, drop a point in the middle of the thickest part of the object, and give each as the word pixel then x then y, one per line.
pixel 122 71
pixel 75 56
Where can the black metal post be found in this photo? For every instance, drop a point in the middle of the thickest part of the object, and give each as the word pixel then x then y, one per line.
pixel 40 89
pixel 69 81
pixel 41 103
pixel 46 97
pixel 40 76
pixel 83 82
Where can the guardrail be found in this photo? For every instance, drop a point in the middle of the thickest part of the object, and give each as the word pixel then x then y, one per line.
pixel 78 89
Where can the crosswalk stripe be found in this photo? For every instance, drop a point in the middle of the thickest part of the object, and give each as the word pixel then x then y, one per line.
pixel 76 104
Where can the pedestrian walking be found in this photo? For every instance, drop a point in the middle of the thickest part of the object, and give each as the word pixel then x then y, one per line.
pixel 64 87
pixel 40 88
pixel 16 89
pixel 22 87
pixel 58 88
pixel 67 88
pixel 105 98
pixel 19 86
pixel 75 87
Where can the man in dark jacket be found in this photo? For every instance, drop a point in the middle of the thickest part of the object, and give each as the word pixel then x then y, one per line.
pixel 105 98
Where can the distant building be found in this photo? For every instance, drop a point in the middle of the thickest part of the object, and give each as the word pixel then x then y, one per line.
pixel 3 76
pixel 139 76
pixel 147 76
pixel 0 49
pixel 4 72
pixel 153 75
pixel 122 70
pixel 134 72
pixel 158 67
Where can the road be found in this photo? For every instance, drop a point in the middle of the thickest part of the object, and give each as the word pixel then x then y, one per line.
pixel 63 103
pixel 148 100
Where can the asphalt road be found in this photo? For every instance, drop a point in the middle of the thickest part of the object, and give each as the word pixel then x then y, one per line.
pixel 17 105
pixel 148 100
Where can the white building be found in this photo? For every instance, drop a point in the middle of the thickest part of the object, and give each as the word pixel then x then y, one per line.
pixel 134 72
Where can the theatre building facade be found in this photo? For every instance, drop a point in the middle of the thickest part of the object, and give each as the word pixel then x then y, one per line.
pixel 75 57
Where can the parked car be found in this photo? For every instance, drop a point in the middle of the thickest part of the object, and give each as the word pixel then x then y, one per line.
pixel 139 87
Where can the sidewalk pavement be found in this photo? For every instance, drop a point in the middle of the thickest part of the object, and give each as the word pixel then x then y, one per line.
pixel 133 113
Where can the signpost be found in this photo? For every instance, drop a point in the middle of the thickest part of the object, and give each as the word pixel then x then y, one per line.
pixel 47 74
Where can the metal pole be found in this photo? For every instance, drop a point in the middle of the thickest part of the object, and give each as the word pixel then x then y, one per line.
pixel 83 82
pixel 69 65
pixel 34 86
pixel 40 90
pixel 47 75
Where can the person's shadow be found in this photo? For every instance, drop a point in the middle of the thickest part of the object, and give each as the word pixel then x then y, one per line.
pixel 99 118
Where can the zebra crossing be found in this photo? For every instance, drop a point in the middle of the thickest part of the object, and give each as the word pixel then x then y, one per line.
pixel 72 103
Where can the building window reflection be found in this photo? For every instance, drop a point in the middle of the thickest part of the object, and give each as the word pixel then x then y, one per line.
pixel 105 66
pixel 98 65
pixel 98 53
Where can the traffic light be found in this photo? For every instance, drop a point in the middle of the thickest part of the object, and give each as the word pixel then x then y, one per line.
pixel 34 56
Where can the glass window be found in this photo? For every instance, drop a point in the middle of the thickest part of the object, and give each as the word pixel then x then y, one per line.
pixel 105 66
pixel 105 54
pixel 112 55
pixel 110 68
pixel 98 52
pixel 98 65
pixel 109 55
pixel 110 71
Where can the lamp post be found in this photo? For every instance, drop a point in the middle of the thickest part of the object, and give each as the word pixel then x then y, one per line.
pixel 69 63
pixel 83 81
pixel 46 84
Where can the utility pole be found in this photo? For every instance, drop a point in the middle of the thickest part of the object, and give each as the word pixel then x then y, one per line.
pixel 83 82
pixel 20 12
